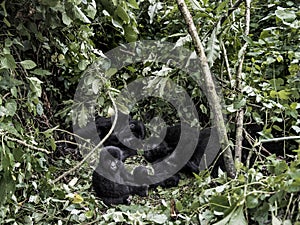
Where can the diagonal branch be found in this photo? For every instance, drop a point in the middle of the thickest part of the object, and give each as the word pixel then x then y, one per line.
pixel 96 147
pixel 210 87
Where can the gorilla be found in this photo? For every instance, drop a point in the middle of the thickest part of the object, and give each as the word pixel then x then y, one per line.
pixel 142 176
pixel 158 153
pixel 111 181
pixel 197 162
pixel 103 125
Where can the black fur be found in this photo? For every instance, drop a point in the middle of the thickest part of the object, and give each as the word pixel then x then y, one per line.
pixel 142 176
pixel 111 167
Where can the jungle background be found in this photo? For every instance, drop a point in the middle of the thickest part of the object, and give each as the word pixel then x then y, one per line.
pixel 46 45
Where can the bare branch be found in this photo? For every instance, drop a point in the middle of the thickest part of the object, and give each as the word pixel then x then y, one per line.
pixel 240 113
pixel 96 147
pixel 26 145
pixel 210 87
pixel 280 139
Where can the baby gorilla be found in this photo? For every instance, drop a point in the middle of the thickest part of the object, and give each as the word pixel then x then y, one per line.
pixel 111 181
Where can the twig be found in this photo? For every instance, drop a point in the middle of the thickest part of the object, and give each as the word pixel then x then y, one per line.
pixel 70 133
pixel 96 147
pixel 280 139
pixel 226 62
pixel 250 139
pixel 240 113
pixel 26 145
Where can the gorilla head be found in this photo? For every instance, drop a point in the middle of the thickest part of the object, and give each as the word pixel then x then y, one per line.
pixel 111 180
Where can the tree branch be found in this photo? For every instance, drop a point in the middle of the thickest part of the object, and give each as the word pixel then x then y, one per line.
pixel 26 145
pixel 96 147
pixel 280 139
pixel 210 87
pixel 239 85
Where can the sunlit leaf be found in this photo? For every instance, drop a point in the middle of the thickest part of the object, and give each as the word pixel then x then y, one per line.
pixel 285 14
pixel 66 19
pixel 28 64
pixel 80 15
pixel 77 199
pixel 8 62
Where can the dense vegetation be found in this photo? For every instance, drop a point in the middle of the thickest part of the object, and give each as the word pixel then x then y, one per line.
pixel 46 45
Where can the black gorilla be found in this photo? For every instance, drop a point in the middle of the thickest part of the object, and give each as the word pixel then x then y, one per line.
pixel 142 176
pixel 103 125
pixel 116 152
pixel 110 168
pixel 158 153
pixel 204 153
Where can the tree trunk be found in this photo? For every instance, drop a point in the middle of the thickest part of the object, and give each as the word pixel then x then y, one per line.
pixel 212 96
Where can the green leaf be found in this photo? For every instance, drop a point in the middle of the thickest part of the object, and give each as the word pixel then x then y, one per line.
pixel 83 64
pixel 251 201
pixel 275 220
pixel 91 11
pixel 133 4
pixel 66 20
pixel 39 109
pixel 117 24
pixel 296 129
pixel 28 64
pixel 4 8
pixel 257 117
pixel 7 187
pixel 130 34
pixel 158 218
pixel 213 47
pixel 77 199
pixel 284 95
pixel 3 111
pixel 219 204
pixel 273 94
pixel 238 217
pixel 8 62
pixel 179 205
pixel 221 6
pixel 41 72
pixel 153 10
pixel 80 15
pixel 110 72
pixel 35 86
pixel 11 108
pixel 120 12
pixel 286 15
pixel 89 214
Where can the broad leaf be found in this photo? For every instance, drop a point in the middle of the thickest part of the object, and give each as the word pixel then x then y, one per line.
pixel 28 64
